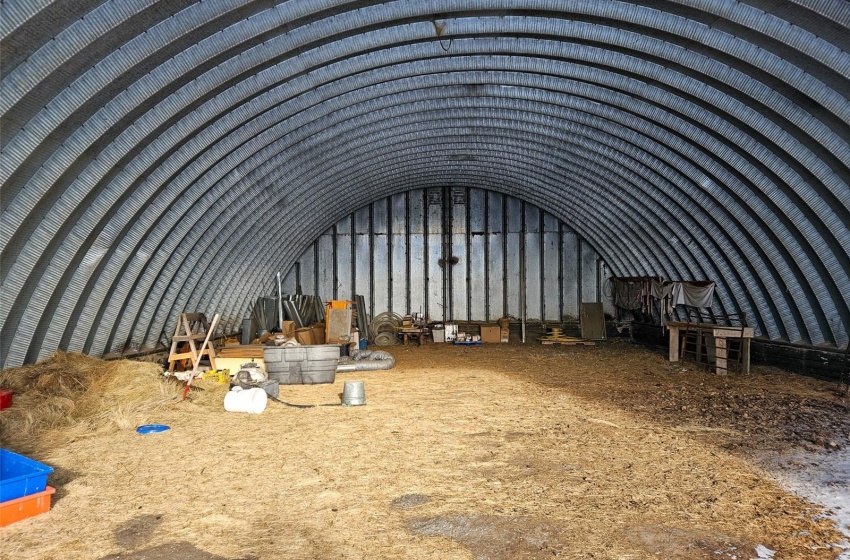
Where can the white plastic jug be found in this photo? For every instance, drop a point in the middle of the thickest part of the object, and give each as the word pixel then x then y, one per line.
pixel 252 401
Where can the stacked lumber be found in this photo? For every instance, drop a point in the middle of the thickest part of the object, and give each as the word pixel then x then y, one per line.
pixel 556 336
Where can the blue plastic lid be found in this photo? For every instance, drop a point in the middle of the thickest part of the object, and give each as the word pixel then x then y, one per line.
pixel 152 428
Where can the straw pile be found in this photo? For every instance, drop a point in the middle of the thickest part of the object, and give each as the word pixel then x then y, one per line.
pixel 70 396
pixel 500 452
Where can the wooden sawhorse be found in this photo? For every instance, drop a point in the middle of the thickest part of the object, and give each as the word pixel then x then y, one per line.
pixel 192 328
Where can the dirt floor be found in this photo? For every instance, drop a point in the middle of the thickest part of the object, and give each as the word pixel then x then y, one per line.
pixel 496 452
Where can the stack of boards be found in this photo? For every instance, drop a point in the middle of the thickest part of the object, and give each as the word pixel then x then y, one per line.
pixel 556 336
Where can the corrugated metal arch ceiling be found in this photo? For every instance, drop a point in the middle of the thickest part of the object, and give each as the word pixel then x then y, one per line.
pixel 142 139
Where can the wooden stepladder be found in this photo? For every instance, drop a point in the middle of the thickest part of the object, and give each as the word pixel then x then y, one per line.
pixel 191 329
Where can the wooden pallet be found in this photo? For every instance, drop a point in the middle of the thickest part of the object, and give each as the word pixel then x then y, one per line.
pixel 566 341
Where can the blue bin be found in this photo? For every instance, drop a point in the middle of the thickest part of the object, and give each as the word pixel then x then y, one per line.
pixel 21 476
pixel 364 343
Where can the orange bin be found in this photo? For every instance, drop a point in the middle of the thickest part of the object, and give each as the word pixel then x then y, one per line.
pixel 26 506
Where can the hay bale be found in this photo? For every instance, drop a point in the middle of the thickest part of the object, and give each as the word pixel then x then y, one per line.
pixel 69 396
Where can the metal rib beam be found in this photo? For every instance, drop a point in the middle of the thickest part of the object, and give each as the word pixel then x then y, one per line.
pixel 718 132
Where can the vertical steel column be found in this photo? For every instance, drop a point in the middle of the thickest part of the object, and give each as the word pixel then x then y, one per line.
pixel 468 256
pixel 371 261
pixel 335 294
pixel 390 237
pixel 447 211
pixel 353 264
pixel 542 245
pixel 487 255
pixel 298 289
pixel 579 294
pixel 560 271
pixel 427 269
pixel 315 268
pixel 505 255
pixel 522 270
pixel 407 279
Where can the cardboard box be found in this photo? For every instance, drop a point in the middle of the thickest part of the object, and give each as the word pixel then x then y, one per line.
pixel 504 329
pixel 289 329
pixel 490 333
pixel 450 332
pixel 235 364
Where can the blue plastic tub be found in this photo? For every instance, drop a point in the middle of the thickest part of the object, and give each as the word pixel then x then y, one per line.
pixel 21 476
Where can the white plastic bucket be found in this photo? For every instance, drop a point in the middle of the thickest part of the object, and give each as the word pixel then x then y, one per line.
pixel 252 401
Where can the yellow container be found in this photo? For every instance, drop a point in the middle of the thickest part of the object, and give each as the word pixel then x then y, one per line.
pixel 222 376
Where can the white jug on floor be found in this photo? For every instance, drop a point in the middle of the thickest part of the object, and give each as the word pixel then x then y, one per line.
pixel 252 401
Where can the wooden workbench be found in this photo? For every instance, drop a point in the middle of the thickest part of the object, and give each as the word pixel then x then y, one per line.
pixel 720 334
pixel 406 333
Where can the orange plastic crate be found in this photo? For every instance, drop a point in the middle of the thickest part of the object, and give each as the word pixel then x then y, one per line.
pixel 27 506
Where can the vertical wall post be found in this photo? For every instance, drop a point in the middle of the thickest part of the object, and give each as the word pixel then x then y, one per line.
pixel 522 270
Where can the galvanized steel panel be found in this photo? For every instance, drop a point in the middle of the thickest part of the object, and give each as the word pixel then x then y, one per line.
pixel 514 264
pixel 616 143
pixel 344 260
pixel 362 252
pixel 571 286
pixel 307 271
pixel 476 284
pixel 417 280
pixel 533 270
pixel 478 296
pixel 496 263
pixel 325 260
pixel 589 282
pixel 552 264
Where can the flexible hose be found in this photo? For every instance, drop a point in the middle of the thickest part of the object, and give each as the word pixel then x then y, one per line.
pixel 246 383
pixel 371 360
pixel 385 339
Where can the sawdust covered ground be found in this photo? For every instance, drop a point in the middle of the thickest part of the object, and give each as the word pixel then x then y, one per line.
pixel 495 452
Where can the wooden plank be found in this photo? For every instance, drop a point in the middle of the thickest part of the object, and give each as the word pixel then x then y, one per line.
pixel 241 351
pixel 745 356
pixel 721 364
pixel 732 332
pixel 567 342
pixel 563 338
pixel 674 343
pixel 186 338
pixel 592 321
pixel 206 350
pixel 690 326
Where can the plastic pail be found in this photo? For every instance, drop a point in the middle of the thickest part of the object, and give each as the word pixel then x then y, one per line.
pixel 252 401
pixel 353 393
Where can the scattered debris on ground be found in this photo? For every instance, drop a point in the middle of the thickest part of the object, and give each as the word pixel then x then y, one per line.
pixel 584 452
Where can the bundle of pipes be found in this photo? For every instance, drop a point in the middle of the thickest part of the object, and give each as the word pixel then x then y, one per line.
pixel 304 310
pixel 362 320
pixel 265 313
